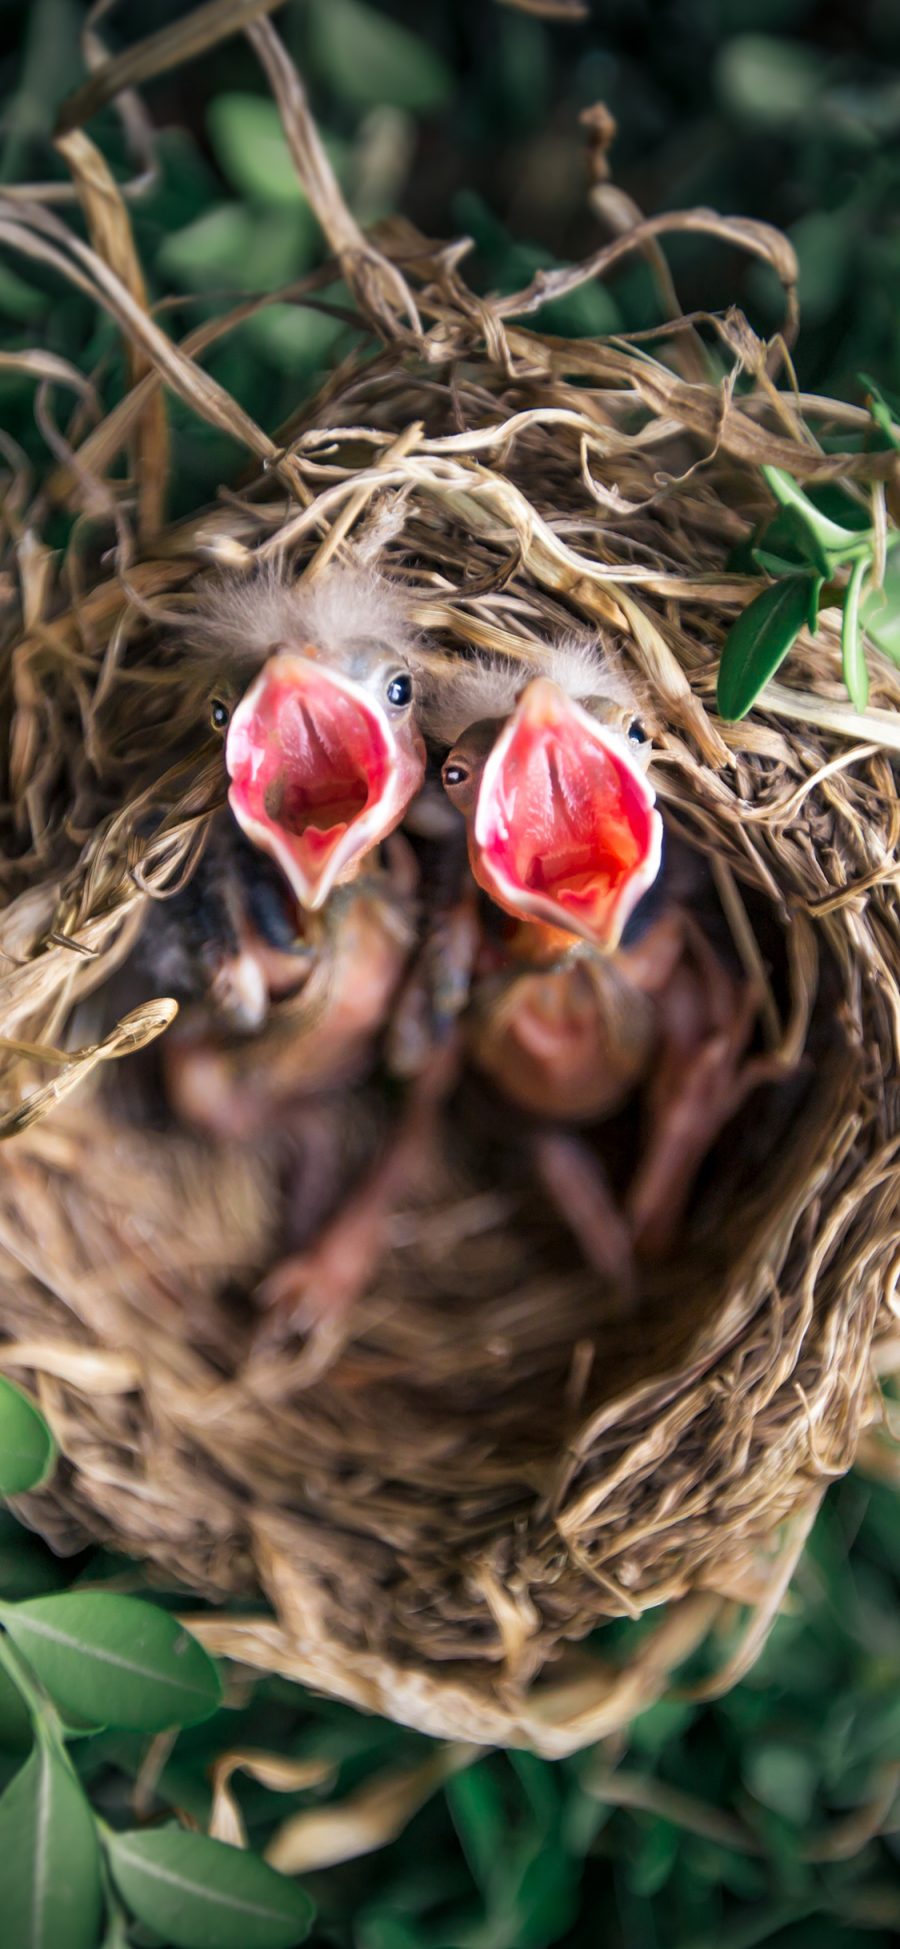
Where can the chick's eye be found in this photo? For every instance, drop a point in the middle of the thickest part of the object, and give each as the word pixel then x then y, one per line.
pixel 455 774
pixel 399 689
pixel 636 732
pixel 218 714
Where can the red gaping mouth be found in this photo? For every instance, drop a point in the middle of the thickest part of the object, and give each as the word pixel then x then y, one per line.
pixel 565 828
pixel 314 772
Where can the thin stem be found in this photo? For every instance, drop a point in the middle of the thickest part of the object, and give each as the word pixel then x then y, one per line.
pixel 39 1705
pixel 46 1720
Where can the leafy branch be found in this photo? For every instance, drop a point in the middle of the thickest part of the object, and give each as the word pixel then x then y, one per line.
pixel 804 549
pixel 76 1662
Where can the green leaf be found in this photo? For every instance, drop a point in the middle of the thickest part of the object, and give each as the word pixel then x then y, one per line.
pixel 659 1725
pixel 856 676
pixel 828 541
pixel 250 147
pixel 243 248
pixel 371 60
pixel 783 1778
pixel 759 641
pixel 50 1894
pixel 768 80
pixel 27 1448
pixel 772 564
pixel 546 1901
pixel 477 1812
pixel 111 1660
pixel 201 1894
pixel 655 1859
pixel 824 241
pixel 376 1931
pixel 295 338
pixel 880 611
pixel 884 411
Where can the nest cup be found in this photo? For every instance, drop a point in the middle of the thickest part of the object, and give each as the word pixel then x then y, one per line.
pixel 438 1523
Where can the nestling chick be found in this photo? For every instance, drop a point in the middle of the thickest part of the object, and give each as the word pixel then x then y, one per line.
pixel 289 970
pixel 560 814
pixel 274 1047
pixel 326 1005
pixel 564 835
pixel 232 941
pixel 314 689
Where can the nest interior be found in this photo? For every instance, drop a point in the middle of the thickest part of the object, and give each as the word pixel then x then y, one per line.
pixel 492 1462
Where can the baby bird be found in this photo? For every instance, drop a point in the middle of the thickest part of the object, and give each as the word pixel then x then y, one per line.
pixel 593 995
pixel 560 814
pixel 315 696
pixel 279 1006
pixel 288 945
pixel 279 1033
pixel 564 836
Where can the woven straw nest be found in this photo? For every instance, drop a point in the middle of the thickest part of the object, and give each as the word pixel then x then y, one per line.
pixel 494 1464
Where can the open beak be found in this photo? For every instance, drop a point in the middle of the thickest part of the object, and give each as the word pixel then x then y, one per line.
pixel 565 828
pixel 318 773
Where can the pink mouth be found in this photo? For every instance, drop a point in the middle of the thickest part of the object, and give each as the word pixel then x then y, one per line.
pixel 565 827
pixel 312 765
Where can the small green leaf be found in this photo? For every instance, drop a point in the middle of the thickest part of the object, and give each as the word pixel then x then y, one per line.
pixel 783 1778
pixel 377 1931
pixel 546 1900
pixel 50 1894
pixel 111 1660
pixel 655 1858
pixel 856 676
pixel 829 542
pixel 880 610
pixel 250 147
pixel 659 1725
pixel 201 1894
pixel 885 414
pixel 760 639
pixel 767 80
pixel 477 1812
pixel 371 59
pixel 27 1448
pixel 248 250
pixel 774 564
pixel 295 338
pixel 252 152
pixel 824 241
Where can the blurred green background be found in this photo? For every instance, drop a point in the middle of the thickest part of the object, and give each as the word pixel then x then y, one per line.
pixel 773 1816
pixel 464 115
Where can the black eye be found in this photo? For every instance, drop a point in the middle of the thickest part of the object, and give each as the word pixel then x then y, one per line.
pixel 218 714
pixel 455 774
pixel 399 689
pixel 636 732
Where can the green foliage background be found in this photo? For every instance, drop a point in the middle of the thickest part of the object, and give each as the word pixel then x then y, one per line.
pixel 464 115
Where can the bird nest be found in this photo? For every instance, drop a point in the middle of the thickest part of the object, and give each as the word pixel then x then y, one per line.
pixel 431 1513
